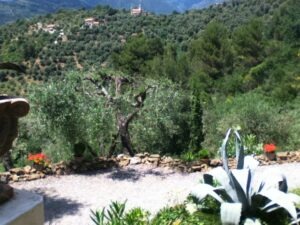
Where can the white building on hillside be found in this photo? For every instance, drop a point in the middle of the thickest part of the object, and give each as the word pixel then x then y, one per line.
pixel 136 11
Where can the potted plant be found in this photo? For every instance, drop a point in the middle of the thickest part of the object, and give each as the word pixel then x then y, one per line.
pixel 269 150
pixel 39 161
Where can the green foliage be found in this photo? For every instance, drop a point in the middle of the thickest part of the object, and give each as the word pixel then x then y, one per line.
pixel 163 125
pixel 212 52
pixel 179 215
pixel 116 215
pixel 135 54
pixel 216 59
pixel 249 43
pixel 253 112
pixel 67 117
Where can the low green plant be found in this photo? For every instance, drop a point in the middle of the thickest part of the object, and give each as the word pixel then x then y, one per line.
pixel 242 202
pixel 250 144
pixel 190 155
pixel 115 215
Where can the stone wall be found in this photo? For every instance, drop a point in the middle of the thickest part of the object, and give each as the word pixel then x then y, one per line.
pixel 81 165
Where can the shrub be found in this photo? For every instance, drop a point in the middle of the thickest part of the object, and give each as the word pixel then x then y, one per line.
pixel 254 113
pixel 66 117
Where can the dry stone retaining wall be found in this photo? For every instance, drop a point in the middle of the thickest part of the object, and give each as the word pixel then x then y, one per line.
pixel 80 165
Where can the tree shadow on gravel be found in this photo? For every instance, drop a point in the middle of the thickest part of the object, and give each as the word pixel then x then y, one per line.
pixel 133 175
pixel 57 207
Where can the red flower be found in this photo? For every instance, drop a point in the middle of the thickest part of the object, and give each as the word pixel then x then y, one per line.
pixel 269 147
pixel 38 158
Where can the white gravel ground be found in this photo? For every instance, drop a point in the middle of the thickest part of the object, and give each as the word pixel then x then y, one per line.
pixel 68 199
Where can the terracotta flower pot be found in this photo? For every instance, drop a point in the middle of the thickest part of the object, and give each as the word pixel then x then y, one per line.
pixel 270 156
pixel 38 167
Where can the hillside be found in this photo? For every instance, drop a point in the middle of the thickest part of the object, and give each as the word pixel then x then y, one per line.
pixel 72 45
pixel 11 10
pixel 187 78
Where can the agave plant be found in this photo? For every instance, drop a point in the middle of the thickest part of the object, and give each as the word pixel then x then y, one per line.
pixel 242 199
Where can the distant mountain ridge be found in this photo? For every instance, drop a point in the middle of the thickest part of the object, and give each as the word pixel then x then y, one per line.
pixel 11 10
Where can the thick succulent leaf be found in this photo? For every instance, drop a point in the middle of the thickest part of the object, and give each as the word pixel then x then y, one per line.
pixel 208 179
pixel 270 207
pixel 250 221
pixel 261 186
pixel 222 177
pixel 231 213
pixel 239 151
pixel 282 185
pixel 202 190
pixel 241 181
pixel 280 198
pixel 224 152
pixel 250 162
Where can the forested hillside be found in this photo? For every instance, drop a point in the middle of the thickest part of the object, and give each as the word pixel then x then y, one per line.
pixel 179 80
pixel 11 10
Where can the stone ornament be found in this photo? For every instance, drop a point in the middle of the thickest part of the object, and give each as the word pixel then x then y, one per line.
pixel 11 109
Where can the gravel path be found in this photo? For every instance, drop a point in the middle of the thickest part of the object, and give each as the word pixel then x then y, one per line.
pixel 68 199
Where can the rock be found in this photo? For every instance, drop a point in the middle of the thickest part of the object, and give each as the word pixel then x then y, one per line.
pixel 27 169
pixel 182 168
pixel 167 159
pixel 152 160
pixel 18 171
pixel 204 161
pixel 33 177
pixel 135 160
pixel 120 156
pixel 215 162
pixel 59 172
pixel 204 168
pixel 4 177
pixel 282 155
pixel 124 163
pixel 140 155
pixel 155 156
pixel 15 178
pixel 196 168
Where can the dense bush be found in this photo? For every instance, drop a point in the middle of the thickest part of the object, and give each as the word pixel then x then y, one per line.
pixel 253 112
pixel 163 124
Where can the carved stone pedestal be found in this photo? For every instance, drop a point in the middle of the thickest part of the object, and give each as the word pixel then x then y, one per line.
pixel 24 208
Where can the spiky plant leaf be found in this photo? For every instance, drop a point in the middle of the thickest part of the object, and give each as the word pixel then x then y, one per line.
pixel 202 190
pixel 239 151
pixel 231 213
pixel 279 198
pixel 222 177
pixel 282 185
pixel 208 179
pixel 241 183
pixel 250 162
pixel 224 152
pixel 250 221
